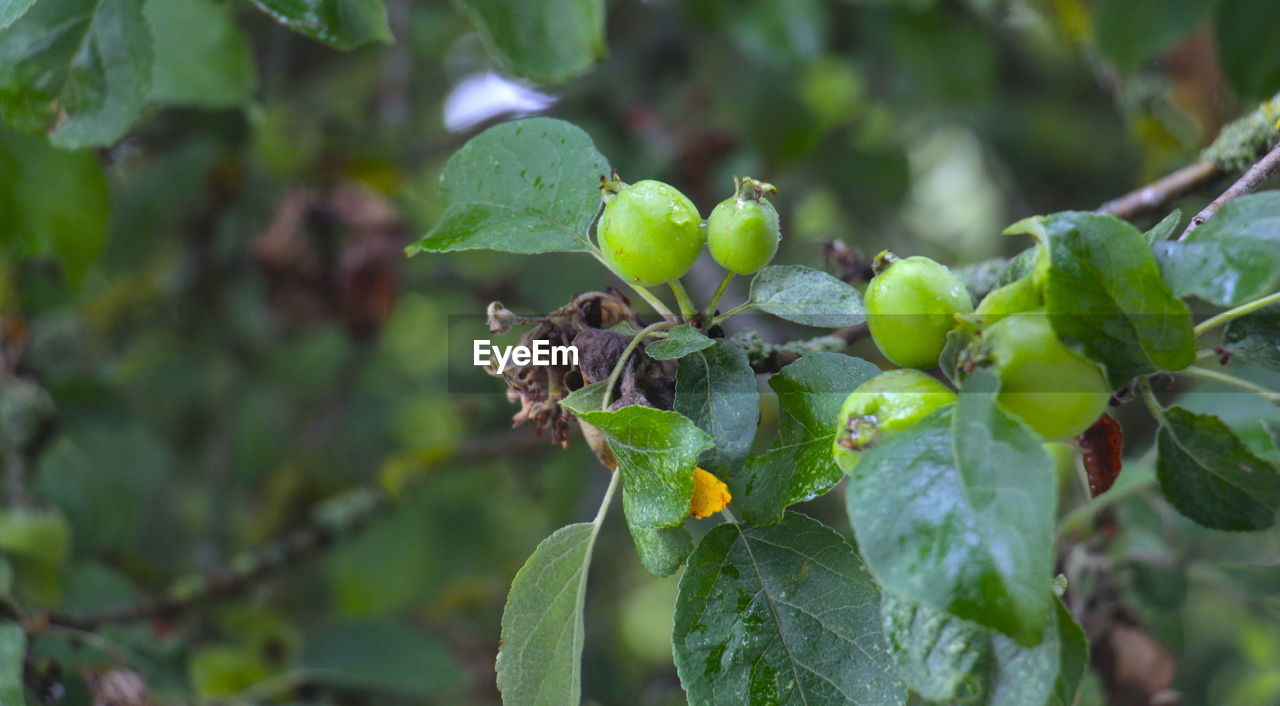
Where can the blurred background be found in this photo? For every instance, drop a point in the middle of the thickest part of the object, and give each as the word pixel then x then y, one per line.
pixel 213 342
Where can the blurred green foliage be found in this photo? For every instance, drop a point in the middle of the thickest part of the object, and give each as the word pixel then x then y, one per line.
pixel 212 295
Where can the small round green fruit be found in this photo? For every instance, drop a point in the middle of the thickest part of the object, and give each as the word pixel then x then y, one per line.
pixel 1057 392
pixel 742 232
pixel 911 305
pixel 883 406
pixel 650 233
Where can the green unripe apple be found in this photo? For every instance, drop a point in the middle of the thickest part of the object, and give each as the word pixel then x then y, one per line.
pixel 39 535
pixel 650 233
pixel 1014 298
pixel 883 406
pixel 1057 392
pixel 911 305
pixel 742 232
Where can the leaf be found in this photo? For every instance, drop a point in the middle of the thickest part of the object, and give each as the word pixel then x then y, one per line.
pixel 1165 228
pixel 784 614
pixel 1231 259
pixel 656 451
pixel 944 658
pixel 43 180
pixel 203 58
pixel 13 652
pixel 1048 673
pixel 527 186
pixel 680 341
pixel 11 10
pixel 1255 337
pixel 588 398
pixel 1132 32
pixel 939 656
pixel 716 389
pixel 1273 430
pixel 1105 297
pixel 662 549
pixel 1210 476
pixel 548 41
pixel 957 512
pixel 798 466
pixel 540 655
pixel 1246 45
pixel 381 657
pixel 79 69
pixel 342 24
pixel 807 296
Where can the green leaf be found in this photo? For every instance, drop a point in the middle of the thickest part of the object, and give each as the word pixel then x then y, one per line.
pixel 1210 476
pixel 342 24
pixel 807 296
pixel 527 186
pixel 1165 228
pixel 548 41
pixel 381 657
pixel 1131 32
pixel 944 658
pixel 662 549
pixel 11 10
pixel 77 68
pixel 203 58
pixel 1105 297
pixel 540 658
pixel 784 614
pixel 1255 337
pixel 957 512
pixel 680 341
pixel 43 180
pixel 940 656
pixel 13 652
pixel 1048 673
pixel 1231 259
pixel 1246 45
pixel 588 398
pixel 656 451
pixel 716 389
pixel 1273 430
pixel 798 466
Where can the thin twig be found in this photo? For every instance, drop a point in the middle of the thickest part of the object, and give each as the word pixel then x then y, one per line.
pixel 1247 184
pixel 1162 191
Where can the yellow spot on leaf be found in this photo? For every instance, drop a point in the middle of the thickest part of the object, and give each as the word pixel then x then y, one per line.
pixel 710 494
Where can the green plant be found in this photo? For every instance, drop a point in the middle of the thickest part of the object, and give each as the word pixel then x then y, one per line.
pixel 954 494
pixel 883 406
pixel 742 231
pixel 911 305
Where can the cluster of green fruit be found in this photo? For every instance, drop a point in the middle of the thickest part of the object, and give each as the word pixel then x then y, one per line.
pixel 913 303
pixel 650 233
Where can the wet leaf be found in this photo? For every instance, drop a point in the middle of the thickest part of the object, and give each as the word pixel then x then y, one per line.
pixel 1105 297
pixel 716 389
pixel 527 186
pixel 82 66
pixel 662 549
pixel 1210 476
pixel 680 341
pixel 957 513
pixel 807 296
pixel 540 657
pixel 784 614
pixel 548 41
pixel 798 466
pixel 1255 337
pixel 343 24
pixel 1231 259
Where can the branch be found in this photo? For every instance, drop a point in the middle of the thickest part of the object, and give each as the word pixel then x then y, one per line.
pixel 1162 191
pixel 1259 173
pixel 345 516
